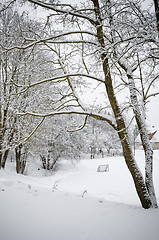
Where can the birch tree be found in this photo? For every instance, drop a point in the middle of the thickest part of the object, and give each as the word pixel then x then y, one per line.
pixel 104 48
pixel 106 21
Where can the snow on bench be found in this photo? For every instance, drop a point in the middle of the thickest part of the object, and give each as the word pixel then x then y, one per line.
pixel 103 168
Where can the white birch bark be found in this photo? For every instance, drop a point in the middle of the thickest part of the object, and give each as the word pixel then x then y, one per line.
pixel 143 134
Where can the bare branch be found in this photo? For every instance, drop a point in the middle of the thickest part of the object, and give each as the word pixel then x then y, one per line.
pixel 106 118
pixel 51 38
pixel 152 95
pixel 148 89
pixel 59 78
pixel 31 134
pixel 8 6
pixel 71 12
pixel 80 128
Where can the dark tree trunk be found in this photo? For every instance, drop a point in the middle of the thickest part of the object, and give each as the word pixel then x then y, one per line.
pixel 1 135
pixel 4 158
pixel 127 151
pixel 139 182
pixel 20 161
pixel 156 3
pixel 122 132
pixel 0 159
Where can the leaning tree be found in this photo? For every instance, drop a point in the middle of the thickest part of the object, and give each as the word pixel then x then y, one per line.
pixel 112 34
pixel 106 44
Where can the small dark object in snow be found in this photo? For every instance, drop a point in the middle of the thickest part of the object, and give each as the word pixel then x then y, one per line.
pixel 103 168
pixel 55 186
pixel 85 191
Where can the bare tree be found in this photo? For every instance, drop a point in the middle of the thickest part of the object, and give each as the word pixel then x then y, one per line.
pixel 9 68
pixel 108 38
pixel 118 47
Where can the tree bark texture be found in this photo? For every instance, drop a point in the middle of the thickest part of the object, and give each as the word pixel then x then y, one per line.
pixel 1 135
pixel 122 132
pixel 156 3
pixel 20 162
pixel 143 188
pixel 144 139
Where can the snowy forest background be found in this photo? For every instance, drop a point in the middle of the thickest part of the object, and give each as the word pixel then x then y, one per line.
pixel 22 69
pixel 75 82
pixel 78 83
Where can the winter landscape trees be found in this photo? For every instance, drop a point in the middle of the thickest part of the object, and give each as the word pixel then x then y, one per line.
pixel 108 48
pixel 10 72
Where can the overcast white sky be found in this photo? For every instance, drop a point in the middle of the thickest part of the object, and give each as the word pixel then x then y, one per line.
pixel 153 112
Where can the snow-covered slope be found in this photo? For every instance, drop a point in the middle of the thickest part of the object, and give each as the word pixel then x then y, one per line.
pixel 76 202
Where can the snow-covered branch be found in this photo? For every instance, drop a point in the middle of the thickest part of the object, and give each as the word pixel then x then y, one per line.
pixel 60 79
pixel 81 127
pixel 71 12
pixel 103 117
pixel 51 40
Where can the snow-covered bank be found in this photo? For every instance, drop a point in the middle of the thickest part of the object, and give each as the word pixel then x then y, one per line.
pixel 77 202
pixel 115 185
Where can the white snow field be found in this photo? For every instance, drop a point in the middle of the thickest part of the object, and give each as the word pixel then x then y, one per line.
pixel 76 203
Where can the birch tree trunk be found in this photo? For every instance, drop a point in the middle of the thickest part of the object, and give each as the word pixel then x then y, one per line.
pixel 144 188
pixel 141 188
pixel 143 135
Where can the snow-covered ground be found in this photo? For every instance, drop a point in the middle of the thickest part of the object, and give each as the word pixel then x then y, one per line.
pixel 76 202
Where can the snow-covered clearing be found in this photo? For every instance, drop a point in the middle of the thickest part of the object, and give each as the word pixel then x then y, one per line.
pixel 76 202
